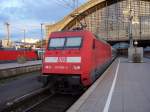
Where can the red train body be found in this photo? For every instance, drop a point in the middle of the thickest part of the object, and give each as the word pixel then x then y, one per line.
pixel 75 56
pixel 12 55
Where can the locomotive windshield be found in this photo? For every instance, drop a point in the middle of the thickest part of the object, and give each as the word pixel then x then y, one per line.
pixel 57 42
pixel 64 43
pixel 73 42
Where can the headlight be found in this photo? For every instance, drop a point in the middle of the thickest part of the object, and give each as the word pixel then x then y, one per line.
pixel 76 67
pixel 48 67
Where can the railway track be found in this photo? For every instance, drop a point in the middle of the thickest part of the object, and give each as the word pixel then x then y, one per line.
pixel 41 101
pixel 54 103
pixel 20 103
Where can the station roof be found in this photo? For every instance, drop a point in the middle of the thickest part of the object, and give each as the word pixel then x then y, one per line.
pixel 81 12
pixel 67 19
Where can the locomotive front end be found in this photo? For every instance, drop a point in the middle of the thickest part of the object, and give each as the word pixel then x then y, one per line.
pixel 63 60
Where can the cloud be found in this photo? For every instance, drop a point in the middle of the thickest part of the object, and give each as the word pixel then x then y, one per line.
pixel 29 14
pixel 42 10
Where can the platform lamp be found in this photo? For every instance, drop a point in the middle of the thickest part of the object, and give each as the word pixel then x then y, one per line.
pixel 22 58
pixel 24 38
pixel 134 54
pixel 42 48
pixel 128 12
pixel 132 19
pixel 8 33
pixel 135 43
pixel 42 24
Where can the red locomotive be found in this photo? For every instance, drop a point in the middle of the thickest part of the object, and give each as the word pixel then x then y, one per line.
pixel 75 57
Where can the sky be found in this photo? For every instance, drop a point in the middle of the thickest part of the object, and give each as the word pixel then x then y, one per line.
pixel 29 14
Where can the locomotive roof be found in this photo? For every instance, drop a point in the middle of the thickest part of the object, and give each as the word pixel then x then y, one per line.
pixel 96 36
pixel 71 31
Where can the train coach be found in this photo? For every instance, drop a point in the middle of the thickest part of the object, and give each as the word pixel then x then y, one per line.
pixel 75 58
pixel 11 55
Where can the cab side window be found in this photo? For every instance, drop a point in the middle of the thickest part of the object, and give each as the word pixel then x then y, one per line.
pixel 93 44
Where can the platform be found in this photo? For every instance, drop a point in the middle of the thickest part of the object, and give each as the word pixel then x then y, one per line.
pixel 13 69
pixel 124 87
pixel 15 64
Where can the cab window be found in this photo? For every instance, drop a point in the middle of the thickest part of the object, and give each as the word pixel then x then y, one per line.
pixel 65 42
pixel 73 42
pixel 56 43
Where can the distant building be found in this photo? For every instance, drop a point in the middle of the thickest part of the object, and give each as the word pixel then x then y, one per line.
pixel 5 43
pixel 30 40
pixel 18 45
pixel 29 43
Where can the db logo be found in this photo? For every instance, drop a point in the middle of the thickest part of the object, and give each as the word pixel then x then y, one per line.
pixel 62 59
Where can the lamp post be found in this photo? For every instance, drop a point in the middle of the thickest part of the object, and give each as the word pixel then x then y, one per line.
pixel 130 28
pixel 22 58
pixel 42 48
pixel 24 37
pixel 41 35
pixel 135 54
pixel 129 13
pixel 8 34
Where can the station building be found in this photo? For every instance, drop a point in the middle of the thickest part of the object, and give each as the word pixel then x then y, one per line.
pixel 109 19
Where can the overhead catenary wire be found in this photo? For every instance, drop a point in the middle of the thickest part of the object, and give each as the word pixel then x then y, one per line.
pixel 59 2
pixel 73 4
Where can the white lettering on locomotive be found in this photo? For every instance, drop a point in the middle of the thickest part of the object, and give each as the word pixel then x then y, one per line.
pixel 63 59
